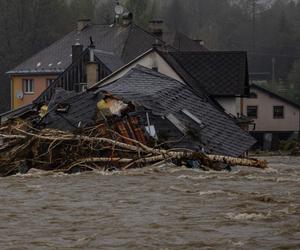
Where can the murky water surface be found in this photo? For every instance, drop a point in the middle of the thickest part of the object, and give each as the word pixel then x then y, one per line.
pixel 154 208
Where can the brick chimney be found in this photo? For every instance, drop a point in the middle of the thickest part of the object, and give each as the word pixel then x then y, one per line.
pixel 83 23
pixel 91 67
pixel 156 27
pixel 77 49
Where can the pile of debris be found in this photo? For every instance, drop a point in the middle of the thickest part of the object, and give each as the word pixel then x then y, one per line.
pixel 140 119
pixel 101 146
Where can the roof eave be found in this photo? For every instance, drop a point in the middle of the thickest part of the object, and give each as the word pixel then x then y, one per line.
pixel 31 72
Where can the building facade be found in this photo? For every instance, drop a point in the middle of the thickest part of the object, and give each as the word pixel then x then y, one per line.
pixel 124 40
pixel 275 117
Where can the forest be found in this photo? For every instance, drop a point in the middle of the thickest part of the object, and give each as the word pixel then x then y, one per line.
pixel 268 30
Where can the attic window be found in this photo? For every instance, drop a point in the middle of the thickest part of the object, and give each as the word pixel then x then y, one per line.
pixel 50 64
pixel 253 95
pixel 38 64
pixel 59 63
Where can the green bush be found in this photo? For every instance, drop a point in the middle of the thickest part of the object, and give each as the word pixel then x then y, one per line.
pixel 288 145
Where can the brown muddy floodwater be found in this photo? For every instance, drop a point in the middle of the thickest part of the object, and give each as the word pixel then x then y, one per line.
pixel 154 208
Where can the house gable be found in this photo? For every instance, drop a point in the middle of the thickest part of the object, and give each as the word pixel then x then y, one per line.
pixel 151 59
pixel 265 101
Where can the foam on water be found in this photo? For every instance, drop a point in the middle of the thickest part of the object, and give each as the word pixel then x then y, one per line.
pixel 247 216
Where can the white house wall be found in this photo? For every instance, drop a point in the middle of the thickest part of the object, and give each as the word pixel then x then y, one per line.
pixel 149 61
pixel 230 104
pixel 265 121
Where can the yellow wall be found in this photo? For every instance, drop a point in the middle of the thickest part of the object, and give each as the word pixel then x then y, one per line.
pixel 40 83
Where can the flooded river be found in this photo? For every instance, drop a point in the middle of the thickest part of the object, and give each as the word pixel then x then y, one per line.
pixel 154 208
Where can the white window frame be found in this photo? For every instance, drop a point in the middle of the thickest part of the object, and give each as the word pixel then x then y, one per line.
pixel 28 86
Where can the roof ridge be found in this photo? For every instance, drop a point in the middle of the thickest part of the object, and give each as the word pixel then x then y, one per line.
pixel 279 96
pixel 155 73
pixel 185 70
pixel 147 32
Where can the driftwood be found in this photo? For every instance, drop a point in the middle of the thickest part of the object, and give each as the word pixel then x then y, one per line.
pixel 25 147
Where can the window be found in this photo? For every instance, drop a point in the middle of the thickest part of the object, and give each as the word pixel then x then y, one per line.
pixel 49 82
pixel 252 111
pixel 253 95
pixel 278 112
pixel 28 86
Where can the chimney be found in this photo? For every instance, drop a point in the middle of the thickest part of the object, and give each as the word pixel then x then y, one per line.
pixel 77 49
pixel 199 41
pixel 156 27
pixel 83 23
pixel 127 18
pixel 91 66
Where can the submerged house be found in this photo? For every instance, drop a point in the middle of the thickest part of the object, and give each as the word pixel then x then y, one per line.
pixel 123 40
pixel 275 117
pixel 167 109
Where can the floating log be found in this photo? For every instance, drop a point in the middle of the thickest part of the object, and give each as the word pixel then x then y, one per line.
pixel 51 149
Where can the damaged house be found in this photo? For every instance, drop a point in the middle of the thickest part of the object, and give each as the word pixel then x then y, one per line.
pixel 165 98
pixel 169 111
pixel 156 88
pixel 222 75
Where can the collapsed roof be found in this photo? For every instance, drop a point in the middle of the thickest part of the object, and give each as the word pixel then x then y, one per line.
pixel 164 96
pixel 189 119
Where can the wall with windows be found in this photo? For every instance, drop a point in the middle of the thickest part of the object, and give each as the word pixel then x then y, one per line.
pixel 29 87
pixel 271 114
